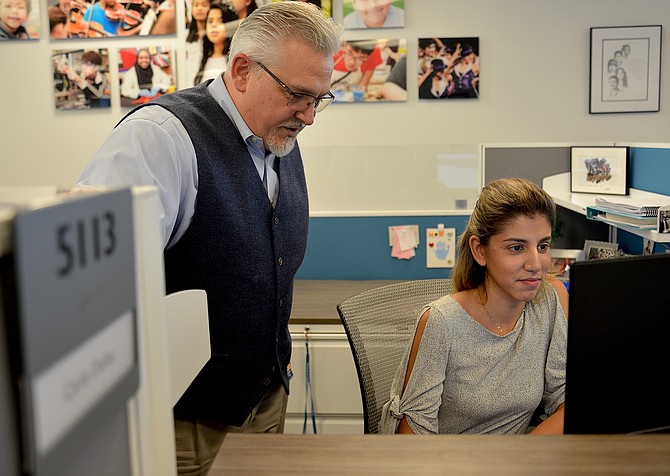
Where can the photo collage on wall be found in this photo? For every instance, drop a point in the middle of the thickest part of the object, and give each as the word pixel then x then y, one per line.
pixel 369 70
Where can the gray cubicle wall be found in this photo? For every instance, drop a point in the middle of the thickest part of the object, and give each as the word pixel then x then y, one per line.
pixel 535 163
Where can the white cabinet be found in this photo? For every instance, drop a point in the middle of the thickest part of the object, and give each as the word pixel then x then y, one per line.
pixel 334 382
pixel 558 186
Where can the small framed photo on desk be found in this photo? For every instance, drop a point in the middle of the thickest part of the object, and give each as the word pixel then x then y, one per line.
pixel 601 170
pixel 663 225
pixel 600 249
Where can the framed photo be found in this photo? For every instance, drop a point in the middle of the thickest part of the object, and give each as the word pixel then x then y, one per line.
pixel 602 170
pixel 600 249
pixel 154 65
pixel 625 69
pixel 663 224
pixel 368 71
pixel 81 79
pixel 449 68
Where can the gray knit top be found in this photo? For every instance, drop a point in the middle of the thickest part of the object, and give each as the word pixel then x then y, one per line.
pixel 466 379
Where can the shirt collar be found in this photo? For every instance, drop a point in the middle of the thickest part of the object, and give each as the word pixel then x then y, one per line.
pixel 219 92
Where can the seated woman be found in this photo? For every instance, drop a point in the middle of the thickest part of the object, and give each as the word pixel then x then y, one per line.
pixel 484 358
pixel 145 79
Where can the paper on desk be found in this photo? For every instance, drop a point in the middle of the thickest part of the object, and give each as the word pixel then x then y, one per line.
pixel 639 206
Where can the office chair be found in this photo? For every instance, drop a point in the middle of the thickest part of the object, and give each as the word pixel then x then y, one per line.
pixel 380 323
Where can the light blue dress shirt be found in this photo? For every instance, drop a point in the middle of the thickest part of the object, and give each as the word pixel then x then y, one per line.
pixel 151 147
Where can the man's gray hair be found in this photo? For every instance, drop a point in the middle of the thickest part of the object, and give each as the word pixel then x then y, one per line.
pixel 271 28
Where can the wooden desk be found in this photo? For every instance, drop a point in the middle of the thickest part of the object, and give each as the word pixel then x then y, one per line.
pixel 444 454
pixel 315 300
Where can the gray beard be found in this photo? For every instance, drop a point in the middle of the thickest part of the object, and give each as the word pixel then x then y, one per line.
pixel 280 149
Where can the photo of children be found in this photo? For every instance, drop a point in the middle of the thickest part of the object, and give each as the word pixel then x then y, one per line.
pixel 448 68
pixel 19 20
pixel 145 73
pixel 362 67
pixel 213 58
pixel 358 14
pixel 81 79
pixel 111 18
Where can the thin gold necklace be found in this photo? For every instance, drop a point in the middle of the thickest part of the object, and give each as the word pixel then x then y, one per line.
pixel 493 321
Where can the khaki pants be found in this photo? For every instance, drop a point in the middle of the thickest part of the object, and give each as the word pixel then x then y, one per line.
pixel 198 441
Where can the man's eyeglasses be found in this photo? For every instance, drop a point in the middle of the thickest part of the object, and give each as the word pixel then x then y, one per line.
pixel 298 101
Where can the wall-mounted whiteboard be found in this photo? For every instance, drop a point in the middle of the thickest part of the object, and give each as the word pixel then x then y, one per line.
pixel 392 180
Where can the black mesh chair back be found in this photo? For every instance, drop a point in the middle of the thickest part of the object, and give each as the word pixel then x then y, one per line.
pixel 379 324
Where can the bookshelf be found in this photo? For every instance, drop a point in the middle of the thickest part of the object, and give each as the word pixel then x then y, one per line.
pixel 558 186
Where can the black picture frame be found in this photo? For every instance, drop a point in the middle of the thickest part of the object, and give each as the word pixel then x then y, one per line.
pixel 601 170
pixel 625 74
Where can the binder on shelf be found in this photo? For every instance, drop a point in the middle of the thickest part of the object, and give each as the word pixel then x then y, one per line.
pixel 642 222
pixel 645 207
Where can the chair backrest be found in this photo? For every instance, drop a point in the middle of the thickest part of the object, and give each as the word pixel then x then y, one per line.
pixel 379 324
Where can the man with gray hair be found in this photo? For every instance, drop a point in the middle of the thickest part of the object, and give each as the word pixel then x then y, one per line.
pixel 231 183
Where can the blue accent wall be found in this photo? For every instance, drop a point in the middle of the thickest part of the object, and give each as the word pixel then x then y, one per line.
pixel 358 248
pixel 650 171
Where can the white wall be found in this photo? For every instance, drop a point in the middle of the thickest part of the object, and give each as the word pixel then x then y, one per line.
pixel 534 88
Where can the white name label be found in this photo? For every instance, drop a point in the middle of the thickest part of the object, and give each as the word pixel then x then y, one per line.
pixel 71 386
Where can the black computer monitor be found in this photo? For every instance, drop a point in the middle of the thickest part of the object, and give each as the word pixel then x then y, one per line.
pixel 618 357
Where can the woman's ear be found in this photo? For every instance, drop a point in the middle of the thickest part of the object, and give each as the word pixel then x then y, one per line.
pixel 240 72
pixel 478 250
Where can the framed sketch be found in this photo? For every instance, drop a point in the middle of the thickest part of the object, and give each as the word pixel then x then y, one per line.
pixel 600 249
pixel 625 69
pixel 602 170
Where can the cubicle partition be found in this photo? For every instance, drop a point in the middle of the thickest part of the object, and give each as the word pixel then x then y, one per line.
pixel 91 361
pixel 68 335
pixel 356 193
